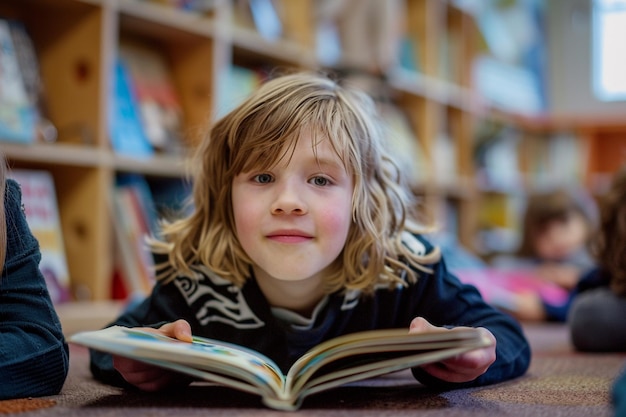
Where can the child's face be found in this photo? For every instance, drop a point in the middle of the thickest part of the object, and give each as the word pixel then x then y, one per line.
pixel 561 238
pixel 293 219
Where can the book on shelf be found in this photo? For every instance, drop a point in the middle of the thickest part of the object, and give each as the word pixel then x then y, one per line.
pixel 445 159
pixel 156 97
pixel 137 207
pixel 29 66
pixel 260 16
pixel 238 83
pixel 496 156
pixel 143 197
pixel 501 210
pixel 42 215
pixel 134 220
pixel 126 130
pixel 408 56
pixel 507 86
pixel 328 43
pixel 266 19
pixel 508 70
pixel 344 359
pixel 555 159
pixel 499 217
pixel 18 114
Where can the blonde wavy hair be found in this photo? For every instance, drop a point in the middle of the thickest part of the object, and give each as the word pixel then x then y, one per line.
pixel 256 135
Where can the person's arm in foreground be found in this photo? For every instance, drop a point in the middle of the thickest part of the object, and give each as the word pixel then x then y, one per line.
pixel 34 358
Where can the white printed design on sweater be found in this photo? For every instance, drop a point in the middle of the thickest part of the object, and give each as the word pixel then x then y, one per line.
pixel 220 300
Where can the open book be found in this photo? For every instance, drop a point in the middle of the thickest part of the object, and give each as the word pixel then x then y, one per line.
pixel 335 362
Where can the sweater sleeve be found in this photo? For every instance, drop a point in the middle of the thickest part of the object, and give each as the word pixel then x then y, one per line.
pixel 445 301
pixel 34 358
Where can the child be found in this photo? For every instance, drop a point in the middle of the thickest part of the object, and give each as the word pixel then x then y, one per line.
pixel 33 353
pixel 557 226
pixel 302 231
pixel 597 312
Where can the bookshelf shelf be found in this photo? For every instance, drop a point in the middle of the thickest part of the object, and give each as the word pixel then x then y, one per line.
pixel 156 166
pixel 160 22
pixel 440 91
pixel 55 154
pixel 253 47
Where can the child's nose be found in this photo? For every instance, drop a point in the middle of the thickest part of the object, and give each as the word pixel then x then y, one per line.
pixel 289 200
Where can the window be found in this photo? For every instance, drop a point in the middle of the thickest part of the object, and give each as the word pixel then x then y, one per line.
pixel 609 49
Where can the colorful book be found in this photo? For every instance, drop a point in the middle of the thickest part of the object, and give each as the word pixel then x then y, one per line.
pixel 18 115
pixel 239 83
pixel 342 360
pixel 125 126
pixel 157 100
pixel 266 19
pixel 143 197
pixel 42 215
pixel 408 58
pixel 131 229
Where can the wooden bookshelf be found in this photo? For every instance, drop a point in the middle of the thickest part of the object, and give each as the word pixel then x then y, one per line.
pixel 443 106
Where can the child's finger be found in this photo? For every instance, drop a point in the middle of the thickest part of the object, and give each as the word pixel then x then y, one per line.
pixel 420 324
pixel 180 329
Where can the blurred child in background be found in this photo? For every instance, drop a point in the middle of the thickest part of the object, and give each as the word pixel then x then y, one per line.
pixel 556 230
pixel 597 314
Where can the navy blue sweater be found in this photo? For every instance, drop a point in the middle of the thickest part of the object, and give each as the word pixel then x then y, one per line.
pixel 217 309
pixel 34 358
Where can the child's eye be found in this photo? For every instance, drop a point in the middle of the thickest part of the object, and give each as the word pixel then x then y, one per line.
pixel 320 181
pixel 262 178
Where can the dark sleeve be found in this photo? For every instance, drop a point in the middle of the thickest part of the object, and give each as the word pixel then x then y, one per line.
pixel 34 358
pixel 558 313
pixel 592 279
pixel 164 305
pixel 444 301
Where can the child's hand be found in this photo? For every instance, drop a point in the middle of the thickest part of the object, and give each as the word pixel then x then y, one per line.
pixel 462 368
pixel 152 378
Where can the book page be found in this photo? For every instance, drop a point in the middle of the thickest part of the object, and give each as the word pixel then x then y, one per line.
pixel 354 350
pixel 379 363
pixel 204 354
